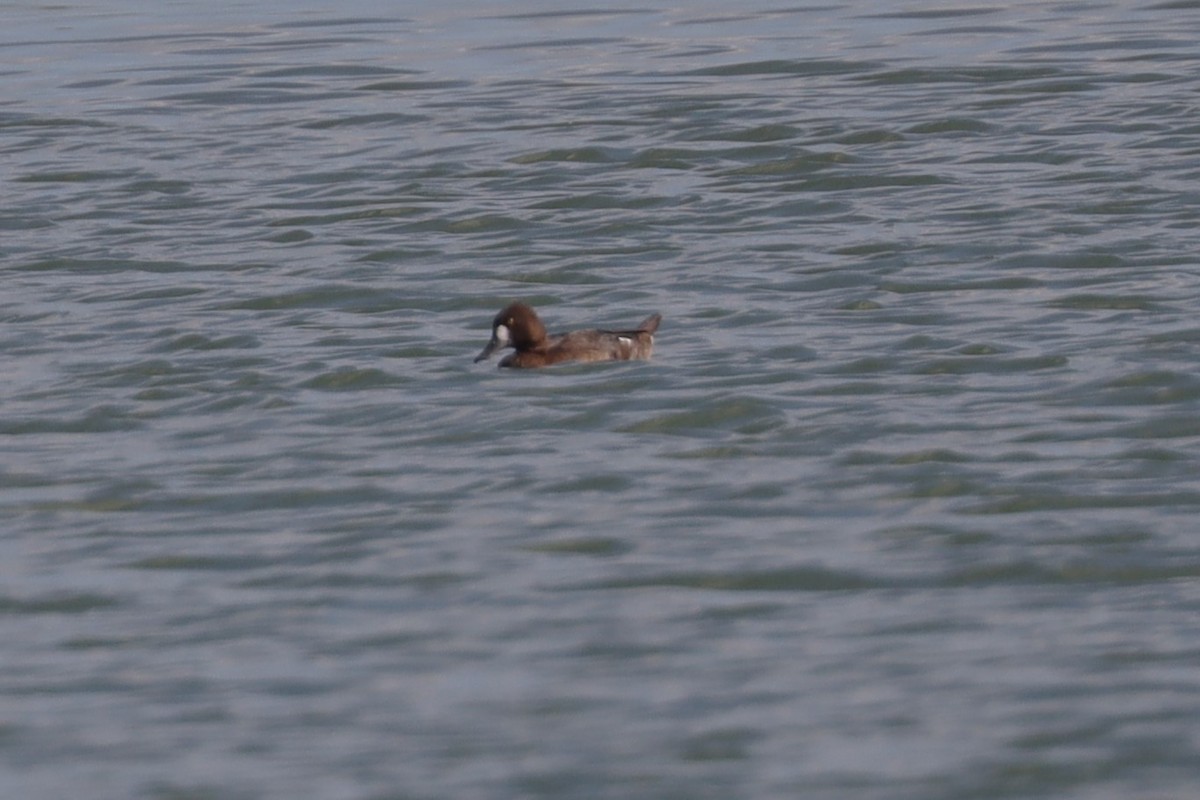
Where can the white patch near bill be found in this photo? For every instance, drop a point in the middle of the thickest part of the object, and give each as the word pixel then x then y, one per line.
pixel 502 336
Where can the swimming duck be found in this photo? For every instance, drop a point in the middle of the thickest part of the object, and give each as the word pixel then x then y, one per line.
pixel 517 326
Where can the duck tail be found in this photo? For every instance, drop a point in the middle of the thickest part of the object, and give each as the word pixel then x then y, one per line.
pixel 650 324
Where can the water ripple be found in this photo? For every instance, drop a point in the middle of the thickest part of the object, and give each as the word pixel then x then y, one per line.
pixel 902 507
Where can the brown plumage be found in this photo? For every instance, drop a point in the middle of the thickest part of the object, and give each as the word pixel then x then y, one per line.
pixel 518 326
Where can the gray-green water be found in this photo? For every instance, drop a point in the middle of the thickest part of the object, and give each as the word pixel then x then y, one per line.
pixel 905 506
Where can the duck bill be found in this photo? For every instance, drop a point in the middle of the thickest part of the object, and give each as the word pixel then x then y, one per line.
pixel 487 351
pixel 500 338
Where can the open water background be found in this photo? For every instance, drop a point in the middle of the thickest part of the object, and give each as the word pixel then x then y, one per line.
pixel 904 508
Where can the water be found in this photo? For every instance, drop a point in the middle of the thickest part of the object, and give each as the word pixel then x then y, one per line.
pixel 904 507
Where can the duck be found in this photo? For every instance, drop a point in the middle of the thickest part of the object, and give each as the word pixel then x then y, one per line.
pixel 518 326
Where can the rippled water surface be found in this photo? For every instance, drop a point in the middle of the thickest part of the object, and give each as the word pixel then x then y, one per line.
pixel 904 507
